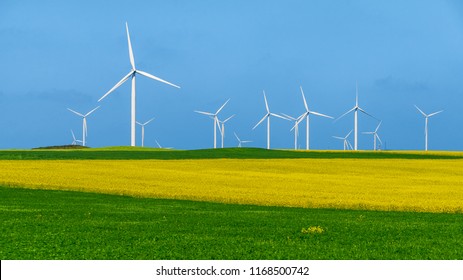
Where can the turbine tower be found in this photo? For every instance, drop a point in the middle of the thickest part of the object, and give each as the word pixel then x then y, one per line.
pixel 347 144
pixel 133 72
pixel 375 136
pixel 143 131
pixel 306 115
pixel 426 125
pixel 84 122
pixel 216 120
pixel 356 109
pixel 295 127
pixel 267 116
pixel 240 142
pixel 222 131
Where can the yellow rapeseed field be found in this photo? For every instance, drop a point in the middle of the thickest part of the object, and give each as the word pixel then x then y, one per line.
pixel 386 184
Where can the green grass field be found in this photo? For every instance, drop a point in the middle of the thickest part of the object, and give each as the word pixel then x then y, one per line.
pixel 45 224
pixel 38 224
pixel 234 153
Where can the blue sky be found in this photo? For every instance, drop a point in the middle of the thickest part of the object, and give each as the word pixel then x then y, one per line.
pixel 60 54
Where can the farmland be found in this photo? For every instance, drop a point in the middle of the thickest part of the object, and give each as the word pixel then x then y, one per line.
pixel 245 204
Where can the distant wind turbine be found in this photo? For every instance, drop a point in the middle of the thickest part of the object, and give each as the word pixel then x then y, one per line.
pixel 267 116
pixel 426 125
pixel 84 122
pixel 74 140
pixel 222 131
pixel 160 147
pixel 143 131
pixel 347 144
pixel 295 127
pixel 355 110
pixel 375 136
pixel 216 120
pixel 240 142
pixel 306 115
pixel 133 72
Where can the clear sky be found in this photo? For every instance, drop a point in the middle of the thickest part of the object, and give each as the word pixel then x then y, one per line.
pixel 67 54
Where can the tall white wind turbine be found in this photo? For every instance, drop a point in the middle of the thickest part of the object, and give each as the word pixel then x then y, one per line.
pixel 143 131
pixel 375 136
pixel 133 72
pixel 74 140
pixel 356 109
pixel 267 116
pixel 216 120
pixel 222 131
pixel 84 122
pixel 240 142
pixel 306 115
pixel 426 125
pixel 346 142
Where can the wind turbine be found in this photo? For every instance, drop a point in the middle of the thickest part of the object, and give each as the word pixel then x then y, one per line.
pixel 222 131
pixel 74 140
pixel 347 144
pixel 84 122
pixel 295 127
pixel 356 109
pixel 306 115
pixel 143 131
pixel 267 116
pixel 133 72
pixel 375 136
pixel 240 142
pixel 426 125
pixel 160 147
pixel 216 120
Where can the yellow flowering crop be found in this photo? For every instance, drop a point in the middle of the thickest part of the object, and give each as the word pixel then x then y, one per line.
pixel 382 184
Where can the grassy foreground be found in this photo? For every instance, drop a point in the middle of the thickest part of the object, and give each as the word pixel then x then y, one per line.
pixel 40 224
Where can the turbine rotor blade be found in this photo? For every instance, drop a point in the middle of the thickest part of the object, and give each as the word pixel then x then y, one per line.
pixel 220 109
pixel 376 130
pixel 237 138
pixel 278 116
pixel 301 118
pixel 228 119
pixel 363 111
pixel 77 113
pixel 348 133
pixel 377 136
pixel 321 115
pixel 351 110
pixel 155 78
pixel 148 121
pixel 289 117
pixel 123 80
pixel 303 98
pixel 266 103
pixel 132 60
pixel 420 111
pixel 204 113
pixel 88 114
pixel 435 113
pixel 266 116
